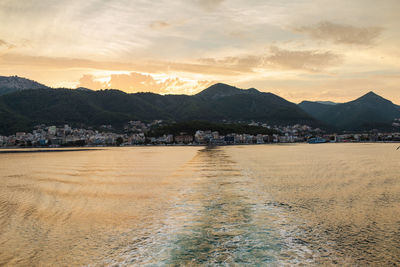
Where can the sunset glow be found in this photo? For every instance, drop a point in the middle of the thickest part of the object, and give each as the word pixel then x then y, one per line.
pixel 303 49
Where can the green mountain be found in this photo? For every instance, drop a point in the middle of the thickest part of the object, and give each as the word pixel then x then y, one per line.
pixel 14 83
pixel 230 103
pixel 22 109
pixel 367 112
pixel 25 103
pixel 327 102
pixel 315 109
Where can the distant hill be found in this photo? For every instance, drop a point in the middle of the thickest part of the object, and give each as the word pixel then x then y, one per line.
pixel 315 109
pixel 367 112
pixel 25 108
pixel 230 103
pixel 221 90
pixel 83 89
pixel 327 102
pixel 15 83
pixel 25 103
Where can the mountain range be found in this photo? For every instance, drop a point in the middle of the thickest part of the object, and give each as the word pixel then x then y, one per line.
pixel 25 103
pixel 367 112
pixel 23 108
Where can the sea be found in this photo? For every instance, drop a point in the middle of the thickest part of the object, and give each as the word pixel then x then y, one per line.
pixel 250 205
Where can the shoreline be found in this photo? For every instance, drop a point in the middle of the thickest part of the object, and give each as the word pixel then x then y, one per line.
pixel 11 150
pixel 38 150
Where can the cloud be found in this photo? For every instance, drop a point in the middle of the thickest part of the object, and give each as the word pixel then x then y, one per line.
pixel 139 82
pixel 141 66
pixel 242 64
pixel 6 44
pixel 159 25
pixel 210 5
pixel 88 81
pixel 135 82
pixel 342 33
pixel 278 59
pixel 309 60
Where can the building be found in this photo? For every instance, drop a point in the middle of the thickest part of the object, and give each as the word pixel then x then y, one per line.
pixel 52 130
pixel 184 139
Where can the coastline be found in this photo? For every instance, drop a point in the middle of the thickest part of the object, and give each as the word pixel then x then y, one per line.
pixel 11 150
pixel 41 150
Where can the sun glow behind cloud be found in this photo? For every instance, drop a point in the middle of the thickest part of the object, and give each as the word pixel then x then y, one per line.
pixel 299 49
pixel 142 82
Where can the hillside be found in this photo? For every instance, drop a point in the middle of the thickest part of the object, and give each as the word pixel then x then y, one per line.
pixel 315 109
pixel 228 103
pixel 14 83
pixel 25 103
pixel 21 110
pixel 367 112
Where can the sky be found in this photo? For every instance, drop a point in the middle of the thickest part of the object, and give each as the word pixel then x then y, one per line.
pixel 298 49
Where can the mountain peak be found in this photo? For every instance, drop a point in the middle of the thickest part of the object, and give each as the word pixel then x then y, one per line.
pixel 371 96
pixel 221 87
pixel 14 83
pixel 253 90
pixel 371 93
pixel 219 90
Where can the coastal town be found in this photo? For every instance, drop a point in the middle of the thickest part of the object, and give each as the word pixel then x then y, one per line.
pixel 137 133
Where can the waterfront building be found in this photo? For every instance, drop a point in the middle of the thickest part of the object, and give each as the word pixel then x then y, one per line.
pixel 183 139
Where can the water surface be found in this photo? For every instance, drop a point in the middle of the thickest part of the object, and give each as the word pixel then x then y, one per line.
pixel 330 204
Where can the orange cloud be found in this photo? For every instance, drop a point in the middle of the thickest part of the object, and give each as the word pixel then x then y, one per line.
pixel 139 82
pixel 142 66
pixel 88 81
pixel 277 58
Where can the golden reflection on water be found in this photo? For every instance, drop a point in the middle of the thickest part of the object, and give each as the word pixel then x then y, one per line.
pixel 344 198
pixel 73 207
pixel 268 204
